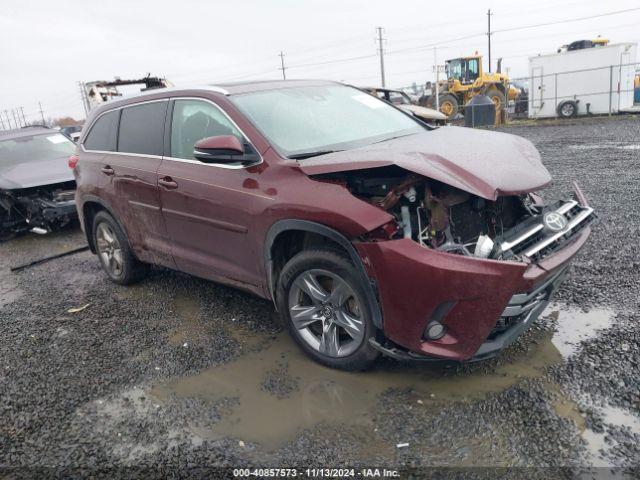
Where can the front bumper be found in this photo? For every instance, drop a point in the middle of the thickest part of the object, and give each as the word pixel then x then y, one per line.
pixel 472 297
pixel 53 211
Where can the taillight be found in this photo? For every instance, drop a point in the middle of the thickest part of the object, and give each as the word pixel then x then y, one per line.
pixel 73 161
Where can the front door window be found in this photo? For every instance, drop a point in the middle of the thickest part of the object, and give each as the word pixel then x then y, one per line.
pixel 194 120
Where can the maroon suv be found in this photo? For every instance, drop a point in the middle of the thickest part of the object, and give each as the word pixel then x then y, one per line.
pixel 371 231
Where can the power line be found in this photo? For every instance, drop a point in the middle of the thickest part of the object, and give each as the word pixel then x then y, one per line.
pixel 328 62
pixel 557 22
pixel 475 35
pixel 443 42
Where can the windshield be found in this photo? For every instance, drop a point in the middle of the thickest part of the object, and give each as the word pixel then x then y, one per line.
pixel 303 120
pixel 454 69
pixel 35 148
pixel 399 98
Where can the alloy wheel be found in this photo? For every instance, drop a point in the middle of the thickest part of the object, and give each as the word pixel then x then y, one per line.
pixel 109 249
pixel 326 313
pixel 567 110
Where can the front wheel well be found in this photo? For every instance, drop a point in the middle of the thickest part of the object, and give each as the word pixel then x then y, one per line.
pixel 287 237
pixel 291 242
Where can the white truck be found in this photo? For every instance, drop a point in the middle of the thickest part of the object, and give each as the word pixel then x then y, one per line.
pixel 583 81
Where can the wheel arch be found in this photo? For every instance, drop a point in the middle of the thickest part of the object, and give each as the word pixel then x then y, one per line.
pixel 279 230
pixel 90 208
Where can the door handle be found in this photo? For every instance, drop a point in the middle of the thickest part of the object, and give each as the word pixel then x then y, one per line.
pixel 107 170
pixel 167 182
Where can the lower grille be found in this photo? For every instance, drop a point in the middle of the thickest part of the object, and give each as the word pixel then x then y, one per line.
pixel 522 304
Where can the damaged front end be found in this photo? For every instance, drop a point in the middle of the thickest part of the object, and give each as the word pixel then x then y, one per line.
pixel 460 276
pixel 443 218
pixel 40 209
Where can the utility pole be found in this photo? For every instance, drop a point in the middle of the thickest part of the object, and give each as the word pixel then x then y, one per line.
pixel 489 35
pixel 437 67
pixel 13 112
pixel 282 67
pixel 381 51
pixel 24 119
pixel 41 113
pixel 6 114
pixel 83 97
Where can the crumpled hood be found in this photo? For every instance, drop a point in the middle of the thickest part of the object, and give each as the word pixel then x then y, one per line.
pixel 33 174
pixel 486 164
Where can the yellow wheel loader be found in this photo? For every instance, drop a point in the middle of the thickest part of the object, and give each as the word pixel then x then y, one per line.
pixel 465 79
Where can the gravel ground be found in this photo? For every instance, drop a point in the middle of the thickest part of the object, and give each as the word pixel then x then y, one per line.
pixel 178 374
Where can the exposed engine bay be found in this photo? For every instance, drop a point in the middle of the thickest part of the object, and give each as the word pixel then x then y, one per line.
pixel 39 209
pixel 445 218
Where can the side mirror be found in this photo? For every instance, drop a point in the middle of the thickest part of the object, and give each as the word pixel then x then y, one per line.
pixel 219 149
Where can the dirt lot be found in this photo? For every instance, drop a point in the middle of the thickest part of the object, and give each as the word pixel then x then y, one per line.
pixel 176 373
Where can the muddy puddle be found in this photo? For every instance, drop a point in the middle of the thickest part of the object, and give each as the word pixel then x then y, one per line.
pixel 277 391
pixel 575 326
pixel 595 441
pixel 187 311
pixel 280 392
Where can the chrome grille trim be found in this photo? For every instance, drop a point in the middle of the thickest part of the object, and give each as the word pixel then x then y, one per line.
pixel 566 207
pixel 573 223
pixel 509 245
pixel 533 238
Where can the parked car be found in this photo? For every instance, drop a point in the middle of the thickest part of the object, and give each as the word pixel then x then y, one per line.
pixel 371 231
pixel 37 189
pixel 72 132
pixel 402 100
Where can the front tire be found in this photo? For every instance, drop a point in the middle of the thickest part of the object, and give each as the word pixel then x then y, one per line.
pixel 114 252
pixel 448 105
pixel 323 304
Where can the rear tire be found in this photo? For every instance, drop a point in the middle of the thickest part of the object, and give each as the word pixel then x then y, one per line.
pixel 323 304
pixel 498 99
pixel 114 252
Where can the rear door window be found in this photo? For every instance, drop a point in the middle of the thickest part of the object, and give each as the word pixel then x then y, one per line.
pixel 103 133
pixel 142 128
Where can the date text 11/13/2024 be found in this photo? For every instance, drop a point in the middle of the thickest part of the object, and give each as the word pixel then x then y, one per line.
pixel 317 472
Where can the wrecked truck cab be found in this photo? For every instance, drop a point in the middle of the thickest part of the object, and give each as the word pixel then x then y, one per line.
pixel 37 189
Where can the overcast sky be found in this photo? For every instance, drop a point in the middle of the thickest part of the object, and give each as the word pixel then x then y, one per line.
pixel 46 47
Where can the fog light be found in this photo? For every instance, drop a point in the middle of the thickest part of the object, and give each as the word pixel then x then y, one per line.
pixel 435 330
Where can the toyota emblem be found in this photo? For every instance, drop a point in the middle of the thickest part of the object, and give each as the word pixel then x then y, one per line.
pixel 554 222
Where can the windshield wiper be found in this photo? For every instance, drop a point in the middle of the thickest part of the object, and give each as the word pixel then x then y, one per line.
pixel 393 138
pixel 302 156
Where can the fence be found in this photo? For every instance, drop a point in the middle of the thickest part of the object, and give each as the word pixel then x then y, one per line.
pixel 592 91
pixel 13 118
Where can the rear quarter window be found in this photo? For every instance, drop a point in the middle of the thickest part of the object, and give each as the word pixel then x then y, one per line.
pixel 142 128
pixel 102 135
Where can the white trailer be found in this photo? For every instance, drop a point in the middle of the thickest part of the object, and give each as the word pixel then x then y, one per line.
pixel 596 80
